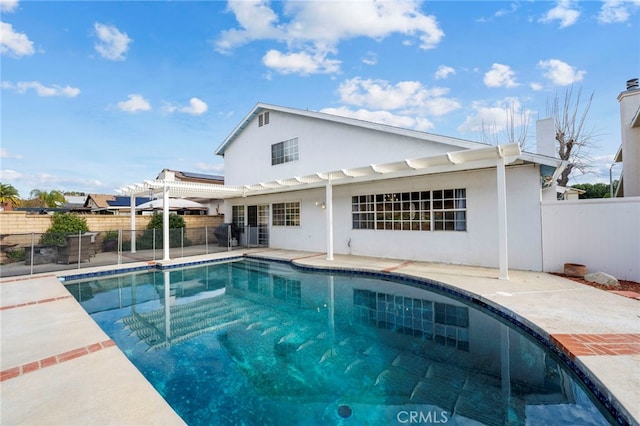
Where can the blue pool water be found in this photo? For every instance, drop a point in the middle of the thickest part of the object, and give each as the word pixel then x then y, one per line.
pixel 260 343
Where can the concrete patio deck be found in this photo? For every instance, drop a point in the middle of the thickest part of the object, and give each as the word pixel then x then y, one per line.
pixel 58 367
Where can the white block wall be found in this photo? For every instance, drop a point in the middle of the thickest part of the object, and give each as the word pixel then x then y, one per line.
pixel 603 234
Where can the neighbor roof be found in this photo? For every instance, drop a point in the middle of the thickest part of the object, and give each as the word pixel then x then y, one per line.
pixel 261 107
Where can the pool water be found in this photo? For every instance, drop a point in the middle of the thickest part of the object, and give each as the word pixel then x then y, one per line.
pixel 260 343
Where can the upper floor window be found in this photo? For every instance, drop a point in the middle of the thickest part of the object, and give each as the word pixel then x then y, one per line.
pixel 263 119
pixel 284 152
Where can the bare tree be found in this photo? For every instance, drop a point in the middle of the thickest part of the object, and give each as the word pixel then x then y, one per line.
pixel 575 142
pixel 515 129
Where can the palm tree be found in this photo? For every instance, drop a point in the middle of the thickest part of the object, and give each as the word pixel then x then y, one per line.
pixel 9 195
pixel 48 199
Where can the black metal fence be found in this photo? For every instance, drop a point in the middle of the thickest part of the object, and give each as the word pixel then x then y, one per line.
pixel 27 254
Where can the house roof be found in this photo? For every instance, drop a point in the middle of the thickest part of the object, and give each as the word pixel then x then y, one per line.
pixel 194 177
pixel 106 201
pixel 470 159
pixel 261 107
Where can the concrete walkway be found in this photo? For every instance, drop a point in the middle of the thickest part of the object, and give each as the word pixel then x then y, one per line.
pixel 58 367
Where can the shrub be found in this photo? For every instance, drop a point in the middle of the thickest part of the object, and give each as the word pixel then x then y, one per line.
pixel 63 224
pixel 16 255
pixel 175 237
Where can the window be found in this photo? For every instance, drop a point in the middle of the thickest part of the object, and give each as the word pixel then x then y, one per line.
pixel 411 211
pixel 263 119
pixel 284 152
pixel 286 214
pixel 450 210
pixel 237 216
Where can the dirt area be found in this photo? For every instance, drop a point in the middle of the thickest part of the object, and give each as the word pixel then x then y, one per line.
pixel 624 285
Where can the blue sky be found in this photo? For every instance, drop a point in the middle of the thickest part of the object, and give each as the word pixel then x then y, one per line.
pixel 99 95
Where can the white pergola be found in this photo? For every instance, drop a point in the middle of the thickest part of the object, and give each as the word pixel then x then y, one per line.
pixel 468 159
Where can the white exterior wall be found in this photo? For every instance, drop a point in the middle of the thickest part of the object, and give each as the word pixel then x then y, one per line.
pixel 476 246
pixel 629 106
pixel 323 146
pixel 603 234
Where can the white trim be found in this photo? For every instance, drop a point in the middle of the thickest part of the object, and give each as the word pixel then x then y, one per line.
pixel 260 107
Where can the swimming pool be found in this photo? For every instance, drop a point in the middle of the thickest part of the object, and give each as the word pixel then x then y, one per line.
pixel 255 342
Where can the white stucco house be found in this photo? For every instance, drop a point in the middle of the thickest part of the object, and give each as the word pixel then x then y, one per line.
pixel 304 180
pixel 319 182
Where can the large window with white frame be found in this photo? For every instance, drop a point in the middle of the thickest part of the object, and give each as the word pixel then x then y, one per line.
pixel 286 214
pixel 284 152
pixel 441 210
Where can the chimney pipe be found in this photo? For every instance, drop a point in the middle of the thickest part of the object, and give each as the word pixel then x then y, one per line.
pixel 632 84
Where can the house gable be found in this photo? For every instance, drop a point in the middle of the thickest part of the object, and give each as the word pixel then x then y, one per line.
pixel 323 142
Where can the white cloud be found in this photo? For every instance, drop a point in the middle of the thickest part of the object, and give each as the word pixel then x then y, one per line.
pixel 614 11
pixel 536 86
pixel 6 154
pixel 383 117
pixel 564 11
pixel 500 76
pixel 112 44
pixel 135 103
pixel 370 59
pixel 41 89
pixel 405 95
pixel 14 43
pixel 313 29
pixel 503 12
pixel 8 5
pixel 495 118
pixel 444 72
pixel 300 63
pixel 196 107
pixel 560 73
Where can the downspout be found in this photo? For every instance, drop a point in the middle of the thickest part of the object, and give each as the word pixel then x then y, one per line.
pixel 165 222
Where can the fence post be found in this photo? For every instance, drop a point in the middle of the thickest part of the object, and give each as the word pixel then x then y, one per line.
pixel 119 246
pixel 154 244
pixel 33 237
pixel 79 247
pixel 181 242
pixel 228 237
pixel 206 239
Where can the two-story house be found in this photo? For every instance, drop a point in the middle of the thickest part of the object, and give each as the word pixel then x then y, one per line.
pixel 311 181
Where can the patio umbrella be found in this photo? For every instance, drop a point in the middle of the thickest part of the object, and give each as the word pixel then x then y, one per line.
pixel 174 204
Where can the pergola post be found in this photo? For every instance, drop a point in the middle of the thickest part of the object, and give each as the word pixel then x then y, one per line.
pixel 133 222
pixel 165 222
pixel 329 213
pixel 503 252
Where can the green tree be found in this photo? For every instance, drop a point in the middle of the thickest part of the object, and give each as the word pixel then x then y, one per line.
pixel 595 190
pixel 63 224
pixel 48 199
pixel 9 195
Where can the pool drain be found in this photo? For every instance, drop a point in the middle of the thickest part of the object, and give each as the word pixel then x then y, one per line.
pixel 344 411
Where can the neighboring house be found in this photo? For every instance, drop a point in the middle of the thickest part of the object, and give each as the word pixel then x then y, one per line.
pixel 111 204
pixel 312 181
pixel 213 206
pixel 629 152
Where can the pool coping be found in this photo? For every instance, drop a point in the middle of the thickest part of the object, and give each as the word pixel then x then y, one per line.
pixel 603 387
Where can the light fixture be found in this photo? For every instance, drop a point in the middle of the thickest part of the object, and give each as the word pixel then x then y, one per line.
pixel 321 204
